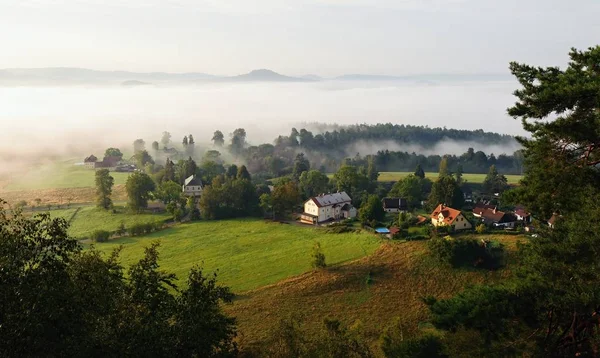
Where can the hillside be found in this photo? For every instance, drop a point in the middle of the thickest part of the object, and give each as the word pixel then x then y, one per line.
pixel 248 253
pixel 376 291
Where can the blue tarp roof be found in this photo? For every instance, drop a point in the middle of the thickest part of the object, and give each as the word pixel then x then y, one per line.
pixel 382 230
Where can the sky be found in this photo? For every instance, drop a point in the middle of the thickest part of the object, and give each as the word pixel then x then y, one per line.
pixel 295 37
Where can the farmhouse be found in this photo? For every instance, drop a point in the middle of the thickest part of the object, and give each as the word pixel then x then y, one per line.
pixel 443 215
pixel 108 162
pixel 328 207
pixel 498 218
pixel 394 205
pixel 90 162
pixel 192 186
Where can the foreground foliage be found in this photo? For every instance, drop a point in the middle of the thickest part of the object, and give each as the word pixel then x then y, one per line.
pixel 552 307
pixel 58 300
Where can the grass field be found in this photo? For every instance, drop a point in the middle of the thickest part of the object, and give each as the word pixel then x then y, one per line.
pixel 374 293
pixel 57 175
pixel 87 219
pixel 248 253
pixel 469 178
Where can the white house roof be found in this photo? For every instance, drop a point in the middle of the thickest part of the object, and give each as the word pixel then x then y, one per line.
pixel 331 199
pixel 192 180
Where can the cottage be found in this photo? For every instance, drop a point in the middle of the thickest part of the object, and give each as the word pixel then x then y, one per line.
pixel 90 162
pixel 522 215
pixel 443 215
pixel 394 205
pixel 481 207
pixel 108 162
pixel 328 207
pixel 552 221
pixel 192 186
pixel 498 218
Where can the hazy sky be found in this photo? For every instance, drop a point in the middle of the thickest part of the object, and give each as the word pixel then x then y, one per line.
pixel 326 37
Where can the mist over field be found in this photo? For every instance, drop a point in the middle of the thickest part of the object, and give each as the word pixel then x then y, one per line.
pixel 49 122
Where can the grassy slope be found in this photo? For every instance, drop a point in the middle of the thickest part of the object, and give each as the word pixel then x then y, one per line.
pixel 89 218
pixel 248 253
pixel 400 273
pixel 58 175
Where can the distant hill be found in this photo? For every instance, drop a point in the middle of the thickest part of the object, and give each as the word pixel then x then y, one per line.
pixel 81 76
pixel 59 76
pixel 266 76
pixel 134 83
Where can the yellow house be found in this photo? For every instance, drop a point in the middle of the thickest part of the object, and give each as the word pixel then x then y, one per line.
pixel 447 216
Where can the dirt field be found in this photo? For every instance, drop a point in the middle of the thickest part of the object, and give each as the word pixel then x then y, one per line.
pixel 60 196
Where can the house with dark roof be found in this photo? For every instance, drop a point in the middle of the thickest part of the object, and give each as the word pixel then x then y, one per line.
pixel 522 215
pixel 444 215
pixel 394 205
pixel 328 208
pixel 481 207
pixel 108 162
pixel 192 186
pixel 90 162
pixel 498 218
pixel 467 193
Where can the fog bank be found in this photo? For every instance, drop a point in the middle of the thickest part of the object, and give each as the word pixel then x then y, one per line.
pixel 78 120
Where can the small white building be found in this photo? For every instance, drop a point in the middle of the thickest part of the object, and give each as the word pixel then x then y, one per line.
pixel 192 186
pixel 328 207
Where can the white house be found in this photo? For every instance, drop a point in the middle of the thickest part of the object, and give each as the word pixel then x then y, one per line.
pixel 192 186
pixel 328 207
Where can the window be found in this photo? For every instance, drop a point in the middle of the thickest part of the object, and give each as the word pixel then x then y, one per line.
pixel 465 225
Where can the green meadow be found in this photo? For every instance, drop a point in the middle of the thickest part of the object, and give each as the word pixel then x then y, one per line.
pixel 58 175
pixel 248 253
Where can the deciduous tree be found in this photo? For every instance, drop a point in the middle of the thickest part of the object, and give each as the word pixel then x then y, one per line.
pixel 104 184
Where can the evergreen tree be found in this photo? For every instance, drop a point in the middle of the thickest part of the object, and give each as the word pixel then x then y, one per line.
pixel 218 139
pixel 458 175
pixel 550 308
pixel 243 173
pixel 446 191
pixel 155 146
pixel 419 172
pixel 169 171
pixel 104 184
pixel 444 167
pixel 191 140
pixel 190 168
pixel 185 141
pixel 232 171
pixel 301 165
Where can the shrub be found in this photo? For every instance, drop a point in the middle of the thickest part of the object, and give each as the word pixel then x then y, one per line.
pixel 428 346
pixel 100 236
pixel 318 256
pixel 480 229
pixel 468 252
pixel 121 230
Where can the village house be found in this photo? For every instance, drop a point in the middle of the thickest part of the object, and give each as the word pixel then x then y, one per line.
pixel 552 220
pixel 394 205
pixel 109 162
pixel 192 186
pixel 328 207
pixel 498 218
pixel 443 215
pixel 90 162
pixel 481 207
pixel 522 215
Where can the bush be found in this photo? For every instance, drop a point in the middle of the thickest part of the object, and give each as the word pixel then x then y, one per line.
pixel 428 346
pixel 468 252
pixel 100 236
pixel 121 230
pixel 480 229
pixel 318 256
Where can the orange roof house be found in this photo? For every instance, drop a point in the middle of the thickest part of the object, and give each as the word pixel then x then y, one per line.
pixel 444 215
